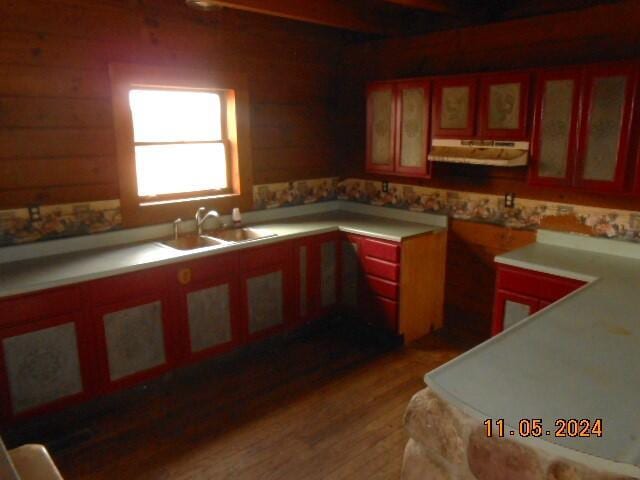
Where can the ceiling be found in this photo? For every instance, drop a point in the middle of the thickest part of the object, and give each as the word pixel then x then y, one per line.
pixel 388 18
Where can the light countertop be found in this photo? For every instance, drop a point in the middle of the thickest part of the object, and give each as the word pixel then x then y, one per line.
pixel 578 358
pixel 57 270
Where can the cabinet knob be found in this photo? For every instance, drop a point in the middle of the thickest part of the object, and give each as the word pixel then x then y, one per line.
pixel 184 276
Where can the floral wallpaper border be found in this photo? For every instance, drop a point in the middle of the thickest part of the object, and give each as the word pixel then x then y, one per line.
pixel 59 221
pixel 487 208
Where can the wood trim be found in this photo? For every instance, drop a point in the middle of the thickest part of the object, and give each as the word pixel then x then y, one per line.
pixel 422 282
pixel 235 85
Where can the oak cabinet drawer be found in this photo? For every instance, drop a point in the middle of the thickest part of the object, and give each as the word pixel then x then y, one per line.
pixel 381 287
pixel 382 250
pixel 382 268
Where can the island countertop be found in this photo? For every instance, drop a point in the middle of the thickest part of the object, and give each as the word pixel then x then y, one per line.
pixel 44 272
pixel 577 358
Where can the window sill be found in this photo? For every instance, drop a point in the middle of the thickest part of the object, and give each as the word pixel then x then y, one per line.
pixel 183 201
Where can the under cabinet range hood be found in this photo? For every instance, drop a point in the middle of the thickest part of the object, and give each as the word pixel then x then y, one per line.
pixel 498 153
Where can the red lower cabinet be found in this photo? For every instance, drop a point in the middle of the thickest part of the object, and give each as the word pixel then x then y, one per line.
pixel 520 293
pixel 370 272
pixel 208 306
pixel 45 352
pixel 267 286
pixel 317 272
pixel 131 319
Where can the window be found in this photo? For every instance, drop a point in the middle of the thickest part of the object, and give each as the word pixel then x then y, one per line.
pixel 179 147
pixel 182 141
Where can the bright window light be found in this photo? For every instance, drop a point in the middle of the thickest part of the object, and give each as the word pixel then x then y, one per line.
pixel 179 146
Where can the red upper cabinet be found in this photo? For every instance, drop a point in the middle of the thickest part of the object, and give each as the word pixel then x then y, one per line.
pixel 454 107
pixel 381 127
pixel 607 108
pixel 504 102
pixel 412 128
pixel 398 127
pixel 555 127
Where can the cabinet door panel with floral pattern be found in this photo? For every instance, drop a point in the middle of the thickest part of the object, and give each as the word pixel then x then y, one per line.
pixel 412 125
pixel 381 114
pixel 505 99
pixel 454 107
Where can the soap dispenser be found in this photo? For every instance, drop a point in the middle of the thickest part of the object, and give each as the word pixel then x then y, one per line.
pixel 236 217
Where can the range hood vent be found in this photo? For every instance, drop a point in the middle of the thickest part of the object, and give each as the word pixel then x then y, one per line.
pixel 480 152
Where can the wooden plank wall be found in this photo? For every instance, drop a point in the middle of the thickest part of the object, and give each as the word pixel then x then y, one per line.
pixel 594 34
pixel 56 136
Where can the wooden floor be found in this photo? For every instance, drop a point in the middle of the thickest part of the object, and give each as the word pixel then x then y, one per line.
pixel 325 405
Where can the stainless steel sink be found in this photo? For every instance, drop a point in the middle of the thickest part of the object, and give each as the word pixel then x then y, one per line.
pixel 193 242
pixel 236 235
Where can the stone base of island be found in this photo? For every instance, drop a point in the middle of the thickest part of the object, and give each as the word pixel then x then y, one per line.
pixel 448 444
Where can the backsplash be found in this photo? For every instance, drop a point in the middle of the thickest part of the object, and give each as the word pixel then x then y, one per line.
pixel 487 208
pixel 58 221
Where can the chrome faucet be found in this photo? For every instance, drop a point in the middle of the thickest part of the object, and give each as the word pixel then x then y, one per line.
pixel 201 217
pixel 176 228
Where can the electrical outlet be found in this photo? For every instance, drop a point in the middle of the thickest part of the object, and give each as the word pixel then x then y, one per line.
pixel 34 213
pixel 385 187
pixel 509 200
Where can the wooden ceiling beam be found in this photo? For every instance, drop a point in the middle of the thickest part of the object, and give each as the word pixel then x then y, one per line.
pixel 447 7
pixel 331 13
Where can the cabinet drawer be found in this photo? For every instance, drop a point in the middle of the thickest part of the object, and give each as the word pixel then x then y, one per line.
pixel 260 257
pixel 208 268
pixel 383 288
pixel 51 303
pixel 382 268
pixel 382 250
pixel 538 285
pixel 124 287
pixel 385 313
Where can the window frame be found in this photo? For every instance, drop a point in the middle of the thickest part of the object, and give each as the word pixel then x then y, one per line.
pixel 233 91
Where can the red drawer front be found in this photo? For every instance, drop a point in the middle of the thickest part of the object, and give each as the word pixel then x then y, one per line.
pixel 210 268
pixel 385 313
pixel 381 287
pixel 47 304
pixel 382 268
pixel 538 285
pixel 259 257
pixel 124 287
pixel 388 251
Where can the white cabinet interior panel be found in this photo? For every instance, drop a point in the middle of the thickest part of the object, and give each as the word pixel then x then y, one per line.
pixel 135 339
pixel 42 366
pixel 209 317
pixel 264 294
pixel 515 312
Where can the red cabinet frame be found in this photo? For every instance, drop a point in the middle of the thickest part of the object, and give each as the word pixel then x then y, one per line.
pixel 424 169
pixel 462 81
pixel 542 77
pixel 486 81
pixel 630 70
pixel 373 87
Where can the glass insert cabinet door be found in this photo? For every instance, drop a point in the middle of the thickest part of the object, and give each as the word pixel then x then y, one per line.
pixel 503 115
pixel 606 125
pixel 454 107
pixel 555 131
pixel 381 106
pixel 412 127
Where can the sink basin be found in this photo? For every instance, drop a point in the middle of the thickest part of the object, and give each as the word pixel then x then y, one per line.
pixel 192 242
pixel 242 234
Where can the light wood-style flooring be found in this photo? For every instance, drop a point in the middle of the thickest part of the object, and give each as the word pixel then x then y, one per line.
pixel 324 405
